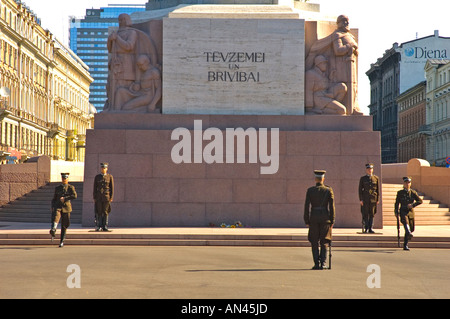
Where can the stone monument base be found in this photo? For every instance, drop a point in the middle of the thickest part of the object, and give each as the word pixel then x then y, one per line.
pixel 151 190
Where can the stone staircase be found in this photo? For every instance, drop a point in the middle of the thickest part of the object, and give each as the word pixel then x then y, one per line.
pixel 35 207
pixel 216 238
pixel 430 213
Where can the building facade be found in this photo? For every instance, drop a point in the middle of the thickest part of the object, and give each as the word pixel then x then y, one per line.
pixel 438 111
pixel 411 121
pixel 44 92
pixel 384 85
pixel 400 68
pixel 88 39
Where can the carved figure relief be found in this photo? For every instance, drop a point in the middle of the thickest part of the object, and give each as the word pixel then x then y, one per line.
pixel 324 96
pixel 332 75
pixel 134 79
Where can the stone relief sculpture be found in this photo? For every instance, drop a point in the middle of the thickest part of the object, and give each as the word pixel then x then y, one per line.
pixel 134 79
pixel 324 96
pixel 330 79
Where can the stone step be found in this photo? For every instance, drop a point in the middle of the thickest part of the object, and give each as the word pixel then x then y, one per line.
pixel 109 239
pixel 426 203
pixel 431 212
pixel 393 195
pixel 35 207
pixel 422 223
pixel 43 196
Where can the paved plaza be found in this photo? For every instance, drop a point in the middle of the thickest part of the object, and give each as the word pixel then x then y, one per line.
pixel 220 273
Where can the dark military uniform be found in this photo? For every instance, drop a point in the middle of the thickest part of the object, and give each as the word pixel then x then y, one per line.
pixel 103 195
pixel 369 194
pixel 405 197
pixel 61 209
pixel 320 216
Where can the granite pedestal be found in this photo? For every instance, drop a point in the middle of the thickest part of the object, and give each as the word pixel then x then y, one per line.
pixel 151 190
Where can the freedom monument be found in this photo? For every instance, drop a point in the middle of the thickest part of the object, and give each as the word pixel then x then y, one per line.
pixel 221 113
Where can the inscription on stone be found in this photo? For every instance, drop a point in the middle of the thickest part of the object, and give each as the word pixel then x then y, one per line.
pixel 233 66
pixel 233 61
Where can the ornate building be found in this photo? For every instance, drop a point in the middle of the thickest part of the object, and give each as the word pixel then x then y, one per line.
pixel 438 111
pixel 411 119
pixel 44 94
pixel 384 83
pixel 400 68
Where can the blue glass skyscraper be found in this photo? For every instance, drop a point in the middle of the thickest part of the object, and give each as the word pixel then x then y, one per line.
pixel 88 39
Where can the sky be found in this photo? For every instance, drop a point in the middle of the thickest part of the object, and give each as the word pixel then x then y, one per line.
pixel 381 23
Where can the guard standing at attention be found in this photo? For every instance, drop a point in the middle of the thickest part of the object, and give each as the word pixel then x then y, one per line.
pixel 103 196
pixel 319 216
pixel 407 199
pixel 369 196
pixel 62 207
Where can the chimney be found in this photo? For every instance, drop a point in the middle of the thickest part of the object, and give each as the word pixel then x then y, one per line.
pixel 436 33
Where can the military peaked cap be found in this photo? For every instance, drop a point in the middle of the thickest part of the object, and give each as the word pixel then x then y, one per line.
pixel 319 173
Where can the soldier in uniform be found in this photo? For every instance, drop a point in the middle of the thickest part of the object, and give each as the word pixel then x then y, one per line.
pixel 103 196
pixel 407 199
pixel 369 196
pixel 62 207
pixel 319 216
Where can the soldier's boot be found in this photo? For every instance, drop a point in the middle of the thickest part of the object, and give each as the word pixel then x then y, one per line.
pixel 315 253
pixel 53 230
pixel 96 222
pixel 323 257
pixel 105 222
pixel 364 227
pixel 405 243
pixel 63 238
pixel 370 230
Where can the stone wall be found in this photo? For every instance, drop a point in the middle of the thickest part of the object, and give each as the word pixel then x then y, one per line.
pixel 393 173
pixel 16 180
pixel 433 181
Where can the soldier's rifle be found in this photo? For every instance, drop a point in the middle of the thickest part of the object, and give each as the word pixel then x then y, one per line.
pixel 398 230
pixel 52 214
pixel 329 255
pixel 363 224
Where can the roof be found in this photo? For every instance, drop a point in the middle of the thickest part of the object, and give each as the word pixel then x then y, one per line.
pixel 435 35
pixel 433 62
pixel 439 61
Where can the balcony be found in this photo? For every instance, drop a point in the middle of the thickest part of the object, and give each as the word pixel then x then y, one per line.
pixel 425 130
pixel 55 129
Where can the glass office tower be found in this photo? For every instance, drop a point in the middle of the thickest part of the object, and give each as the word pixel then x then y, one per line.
pixel 88 39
